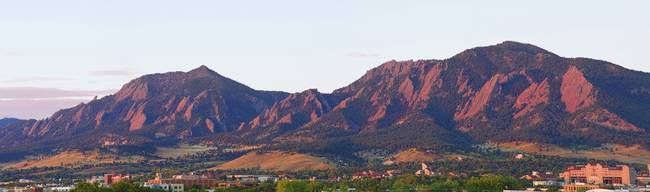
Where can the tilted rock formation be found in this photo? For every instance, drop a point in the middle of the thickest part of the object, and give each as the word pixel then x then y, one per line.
pixel 576 90
pixel 536 94
pixel 288 114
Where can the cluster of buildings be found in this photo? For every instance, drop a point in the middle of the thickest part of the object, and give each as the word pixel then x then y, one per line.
pixel 175 183
pixel 592 176
pixel 178 183
pixel 109 179
pixel 29 186
pixel 425 170
pixel 370 174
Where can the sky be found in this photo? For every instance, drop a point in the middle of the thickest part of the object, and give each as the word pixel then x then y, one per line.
pixel 92 47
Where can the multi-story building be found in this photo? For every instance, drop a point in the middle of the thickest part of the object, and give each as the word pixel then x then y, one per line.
pixel 110 179
pixel 599 174
pixel 591 176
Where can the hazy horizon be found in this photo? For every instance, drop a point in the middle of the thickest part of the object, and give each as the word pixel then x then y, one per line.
pixel 83 46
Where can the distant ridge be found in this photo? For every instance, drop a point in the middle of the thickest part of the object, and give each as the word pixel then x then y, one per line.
pixel 7 121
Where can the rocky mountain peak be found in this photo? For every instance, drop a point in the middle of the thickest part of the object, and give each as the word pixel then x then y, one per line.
pixel 202 71
pixel 521 47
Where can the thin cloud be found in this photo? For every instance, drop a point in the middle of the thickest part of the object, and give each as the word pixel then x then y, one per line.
pixel 34 102
pixel 35 93
pixel 34 79
pixel 124 72
pixel 35 109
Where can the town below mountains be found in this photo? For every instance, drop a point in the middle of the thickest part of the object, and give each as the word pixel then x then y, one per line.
pixel 509 109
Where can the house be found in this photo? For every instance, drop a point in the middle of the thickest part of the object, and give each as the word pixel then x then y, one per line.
pixel 519 156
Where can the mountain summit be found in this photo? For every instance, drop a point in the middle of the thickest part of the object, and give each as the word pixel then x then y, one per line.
pixel 176 104
pixel 506 92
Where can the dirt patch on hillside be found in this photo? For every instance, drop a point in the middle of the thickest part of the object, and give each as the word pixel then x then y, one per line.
pixel 412 155
pixel 72 158
pixel 277 161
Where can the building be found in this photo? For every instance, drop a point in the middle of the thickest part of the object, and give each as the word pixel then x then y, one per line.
pixel 644 180
pixel 579 187
pixel 177 187
pixel 96 179
pixel 609 190
pixel 27 189
pixel 593 176
pixel 252 178
pixel 425 171
pixel 110 179
pixel 58 189
pixel 164 187
pixel 599 174
pixel 543 179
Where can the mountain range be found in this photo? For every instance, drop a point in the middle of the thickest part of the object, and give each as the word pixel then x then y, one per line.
pixel 500 93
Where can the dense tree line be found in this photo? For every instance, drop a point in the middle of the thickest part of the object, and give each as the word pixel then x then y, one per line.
pixel 486 183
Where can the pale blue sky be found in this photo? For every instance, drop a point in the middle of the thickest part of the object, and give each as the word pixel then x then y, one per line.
pixel 292 45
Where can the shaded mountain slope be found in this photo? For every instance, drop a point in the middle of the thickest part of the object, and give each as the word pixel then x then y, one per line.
pixel 288 114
